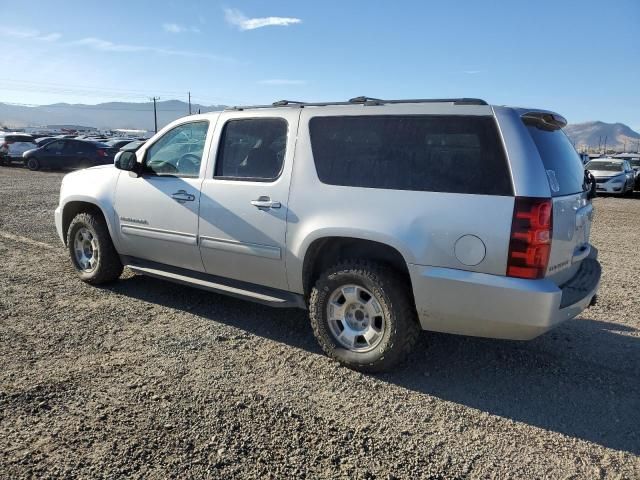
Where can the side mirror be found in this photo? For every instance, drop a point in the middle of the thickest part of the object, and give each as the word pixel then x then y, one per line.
pixel 126 161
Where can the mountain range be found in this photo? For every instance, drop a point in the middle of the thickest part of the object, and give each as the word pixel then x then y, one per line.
pixel 140 116
pixel 103 115
pixel 617 136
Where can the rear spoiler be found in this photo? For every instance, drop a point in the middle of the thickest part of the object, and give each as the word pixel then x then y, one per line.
pixel 546 120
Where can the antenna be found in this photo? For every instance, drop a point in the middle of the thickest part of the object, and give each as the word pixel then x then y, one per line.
pixel 155 113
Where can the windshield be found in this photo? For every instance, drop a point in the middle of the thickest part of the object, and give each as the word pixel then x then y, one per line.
pixel 635 162
pixel 604 166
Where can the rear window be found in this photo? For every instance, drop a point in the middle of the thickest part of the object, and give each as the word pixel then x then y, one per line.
pixel 19 138
pixel 565 170
pixel 432 153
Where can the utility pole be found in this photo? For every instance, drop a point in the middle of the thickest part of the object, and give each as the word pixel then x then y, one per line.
pixel 189 103
pixel 155 114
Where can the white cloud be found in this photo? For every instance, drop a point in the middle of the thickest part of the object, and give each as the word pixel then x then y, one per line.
pixel 472 72
pixel 107 46
pixel 102 45
pixel 238 19
pixel 281 81
pixel 27 33
pixel 175 28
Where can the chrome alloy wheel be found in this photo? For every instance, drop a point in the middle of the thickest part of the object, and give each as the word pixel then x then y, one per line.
pixel 85 247
pixel 356 319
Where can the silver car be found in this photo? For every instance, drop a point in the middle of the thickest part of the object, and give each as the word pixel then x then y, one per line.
pixel 381 217
pixel 612 175
pixel 13 145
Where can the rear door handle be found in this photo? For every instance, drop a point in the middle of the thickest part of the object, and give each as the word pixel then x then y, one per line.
pixel 265 202
pixel 182 196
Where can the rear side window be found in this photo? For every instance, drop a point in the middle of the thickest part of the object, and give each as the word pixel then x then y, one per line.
pixel 432 153
pixel 252 149
pixel 565 171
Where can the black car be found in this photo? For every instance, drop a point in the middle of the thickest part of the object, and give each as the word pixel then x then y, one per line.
pixel 68 153
pixel 118 143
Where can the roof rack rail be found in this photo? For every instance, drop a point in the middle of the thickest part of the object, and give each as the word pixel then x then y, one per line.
pixel 366 101
pixel 285 103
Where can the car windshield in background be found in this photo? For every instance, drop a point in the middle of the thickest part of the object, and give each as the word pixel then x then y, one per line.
pixel 604 166
pixel 565 170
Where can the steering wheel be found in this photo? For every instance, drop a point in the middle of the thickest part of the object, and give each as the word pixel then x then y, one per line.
pixel 188 163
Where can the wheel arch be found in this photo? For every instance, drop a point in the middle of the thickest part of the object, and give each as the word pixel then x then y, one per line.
pixel 323 252
pixel 76 206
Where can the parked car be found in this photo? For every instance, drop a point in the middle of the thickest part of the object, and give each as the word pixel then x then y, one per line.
pixel 132 146
pixel 118 143
pixel 68 153
pixel 635 164
pixel 40 142
pixel 13 145
pixel 612 175
pixel 381 217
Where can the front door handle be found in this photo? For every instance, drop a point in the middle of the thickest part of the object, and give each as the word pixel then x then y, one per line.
pixel 182 196
pixel 265 202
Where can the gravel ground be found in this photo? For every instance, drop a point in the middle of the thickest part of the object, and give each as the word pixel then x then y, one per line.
pixel 146 379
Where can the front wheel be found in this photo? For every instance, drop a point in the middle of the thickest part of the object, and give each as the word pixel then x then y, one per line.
pixel 32 164
pixel 363 315
pixel 91 250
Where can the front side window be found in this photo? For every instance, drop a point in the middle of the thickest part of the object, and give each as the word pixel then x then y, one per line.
pixel 434 153
pixel 252 148
pixel 179 151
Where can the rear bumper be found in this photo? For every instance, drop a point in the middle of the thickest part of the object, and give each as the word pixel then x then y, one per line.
pixel 482 305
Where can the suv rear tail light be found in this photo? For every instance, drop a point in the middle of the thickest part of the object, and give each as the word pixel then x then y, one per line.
pixel 530 245
pixel 101 152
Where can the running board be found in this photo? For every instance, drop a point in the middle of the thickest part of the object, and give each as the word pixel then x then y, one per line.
pixel 212 283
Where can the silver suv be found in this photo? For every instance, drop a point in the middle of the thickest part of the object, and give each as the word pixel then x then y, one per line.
pixel 381 217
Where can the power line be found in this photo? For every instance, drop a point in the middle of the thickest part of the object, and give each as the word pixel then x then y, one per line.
pixel 93 107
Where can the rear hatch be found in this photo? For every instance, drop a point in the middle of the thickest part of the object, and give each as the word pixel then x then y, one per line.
pixel 572 209
pixel 18 144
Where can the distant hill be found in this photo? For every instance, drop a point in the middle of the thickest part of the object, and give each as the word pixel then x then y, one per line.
pixel 592 134
pixel 103 115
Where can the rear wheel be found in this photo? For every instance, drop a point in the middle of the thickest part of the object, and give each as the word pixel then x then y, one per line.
pixel 33 164
pixel 363 316
pixel 91 249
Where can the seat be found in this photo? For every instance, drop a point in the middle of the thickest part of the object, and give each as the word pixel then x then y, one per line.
pixel 261 162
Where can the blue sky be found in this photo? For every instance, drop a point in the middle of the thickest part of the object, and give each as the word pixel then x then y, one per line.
pixel 580 58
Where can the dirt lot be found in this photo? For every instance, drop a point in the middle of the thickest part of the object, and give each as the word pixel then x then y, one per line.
pixel 152 380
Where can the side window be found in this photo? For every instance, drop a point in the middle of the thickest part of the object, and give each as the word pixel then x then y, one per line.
pixel 433 153
pixel 72 147
pixel 55 147
pixel 179 151
pixel 252 148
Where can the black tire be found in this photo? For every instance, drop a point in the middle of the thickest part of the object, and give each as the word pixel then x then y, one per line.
pixel 393 293
pixel 32 164
pixel 108 267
